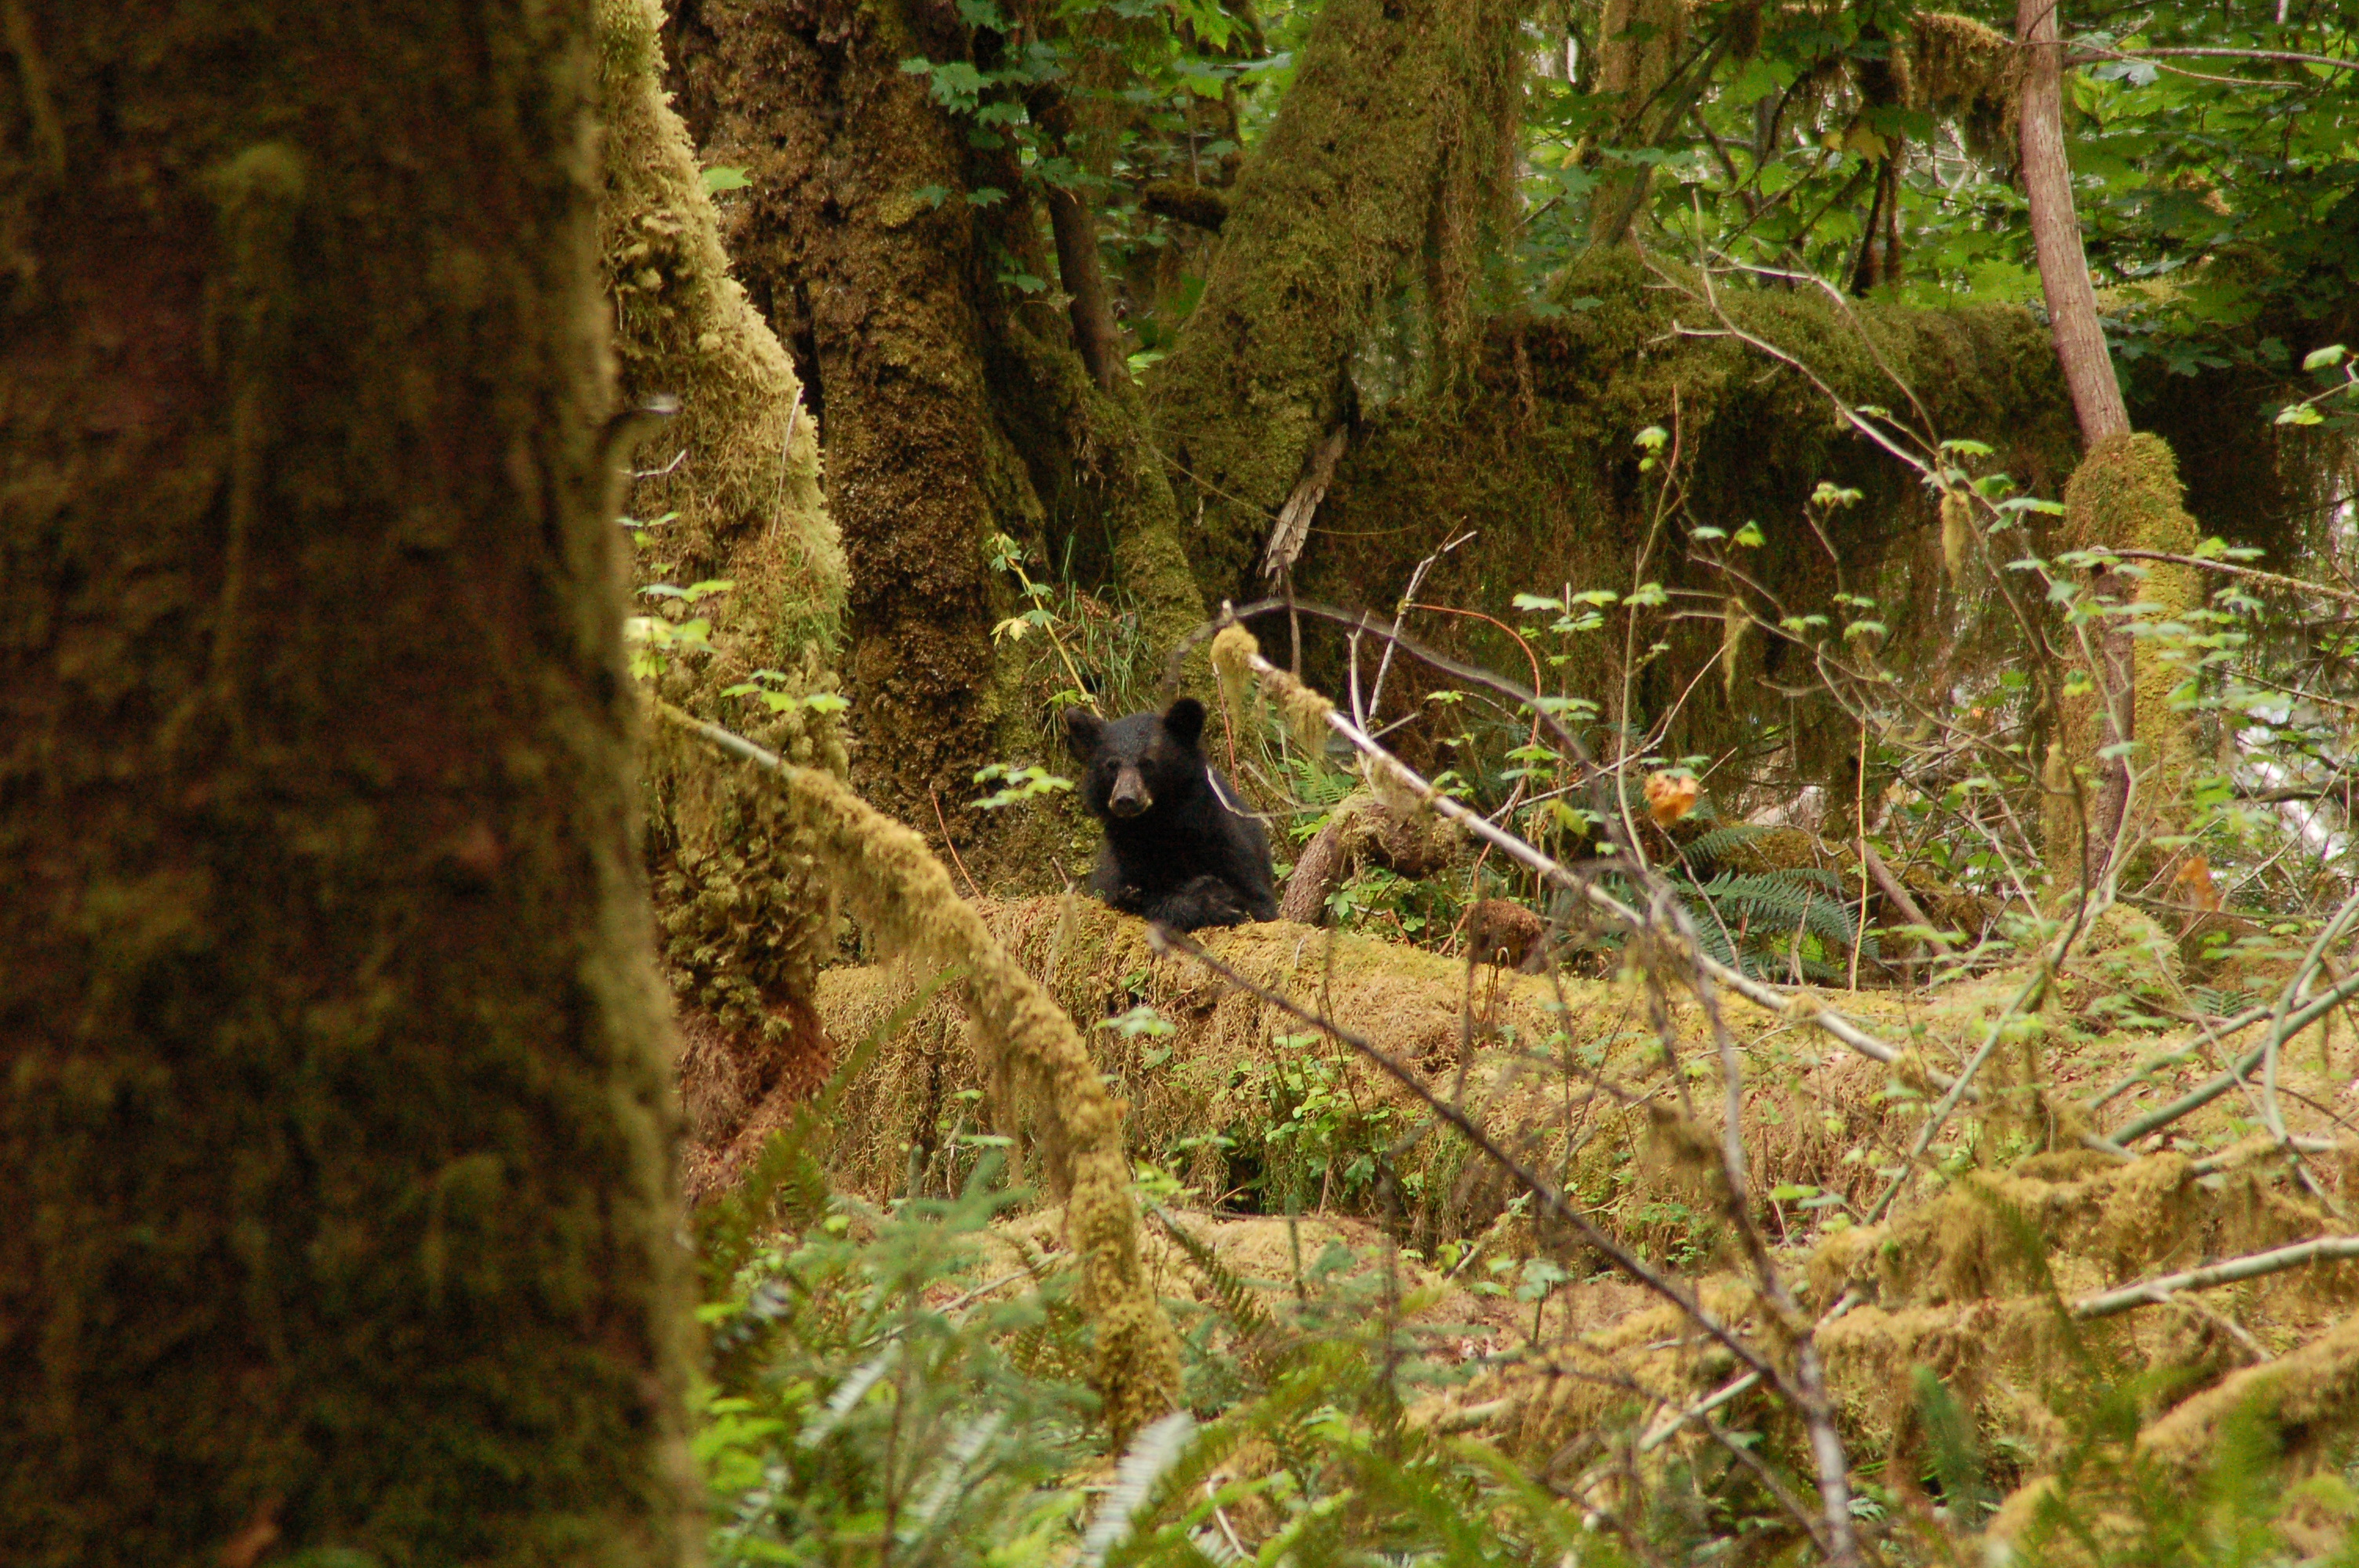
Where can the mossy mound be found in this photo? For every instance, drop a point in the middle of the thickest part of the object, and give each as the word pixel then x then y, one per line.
pixel 1972 1277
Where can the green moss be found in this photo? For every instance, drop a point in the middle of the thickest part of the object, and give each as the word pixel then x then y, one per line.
pixel 2125 494
pixel 1392 135
pixel 1540 462
pixel 891 298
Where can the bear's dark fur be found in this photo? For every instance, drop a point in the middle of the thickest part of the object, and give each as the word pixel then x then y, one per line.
pixel 1175 852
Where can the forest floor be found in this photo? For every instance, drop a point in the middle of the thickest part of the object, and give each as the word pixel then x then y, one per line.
pixel 2005 1258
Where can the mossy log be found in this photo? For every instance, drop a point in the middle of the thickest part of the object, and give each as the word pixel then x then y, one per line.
pixel 1540 460
pixel 1243 1103
pixel 1975 1287
pixel 1218 1099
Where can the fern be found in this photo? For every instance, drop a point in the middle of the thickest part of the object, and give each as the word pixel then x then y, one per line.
pixel 1763 912
pixel 1151 1455
pixel 1708 848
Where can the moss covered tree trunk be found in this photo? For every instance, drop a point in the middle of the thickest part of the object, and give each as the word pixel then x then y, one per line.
pixel 743 921
pixel 954 405
pixel 1389 149
pixel 336 1139
pixel 841 246
pixel 2129 750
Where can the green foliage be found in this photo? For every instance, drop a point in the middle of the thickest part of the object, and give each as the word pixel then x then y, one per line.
pixel 899 1408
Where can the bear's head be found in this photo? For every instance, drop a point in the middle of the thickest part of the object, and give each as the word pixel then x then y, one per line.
pixel 1132 765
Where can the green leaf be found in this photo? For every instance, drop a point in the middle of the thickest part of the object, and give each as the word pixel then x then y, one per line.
pixel 722 176
pixel 2323 359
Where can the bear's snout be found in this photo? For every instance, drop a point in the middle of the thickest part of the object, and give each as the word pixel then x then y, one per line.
pixel 1130 797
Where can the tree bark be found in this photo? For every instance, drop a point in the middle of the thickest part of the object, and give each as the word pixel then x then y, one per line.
pixel 857 238
pixel 336 1143
pixel 1072 220
pixel 953 408
pixel 2056 230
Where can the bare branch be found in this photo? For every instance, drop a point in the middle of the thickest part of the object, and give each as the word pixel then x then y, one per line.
pixel 2150 1292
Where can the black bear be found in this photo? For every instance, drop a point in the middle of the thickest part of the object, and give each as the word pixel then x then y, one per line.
pixel 1178 848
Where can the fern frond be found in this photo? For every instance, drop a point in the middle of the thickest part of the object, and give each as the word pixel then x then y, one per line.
pixel 1152 1453
pixel 849 1393
pixel 1254 1333
pixel 1705 848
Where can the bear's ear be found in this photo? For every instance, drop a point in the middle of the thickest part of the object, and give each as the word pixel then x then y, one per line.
pixel 1082 730
pixel 1185 719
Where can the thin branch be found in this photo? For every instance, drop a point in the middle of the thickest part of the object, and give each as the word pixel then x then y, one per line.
pixel 2150 1292
pixel 2284 57
pixel 2302 1018
pixel 2274 579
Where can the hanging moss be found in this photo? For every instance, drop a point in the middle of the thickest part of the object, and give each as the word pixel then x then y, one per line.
pixel 1389 148
pixel 1028 1049
pixel 1961 69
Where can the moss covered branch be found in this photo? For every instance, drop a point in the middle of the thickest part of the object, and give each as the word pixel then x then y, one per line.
pixel 896 885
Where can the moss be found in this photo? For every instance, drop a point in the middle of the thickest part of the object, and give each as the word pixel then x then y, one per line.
pixel 1391 139
pixel 2125 495
pixel 1031 1057
pixel 1962 70
pixel 1110 511
pixel 887 297
pixel 1206 206
pixel 744 497
pixel 1539 461
pixel 337 1129
pixel 744 924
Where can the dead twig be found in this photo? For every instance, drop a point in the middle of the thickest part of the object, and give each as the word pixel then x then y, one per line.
pixel 2155 1291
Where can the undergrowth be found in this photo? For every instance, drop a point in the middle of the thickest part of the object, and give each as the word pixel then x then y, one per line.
pixel 907 1383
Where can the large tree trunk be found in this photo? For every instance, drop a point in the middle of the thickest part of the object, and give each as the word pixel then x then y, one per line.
pixel 948 419
pixel 845 246
pixel 336 1139
pixel 1391 145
